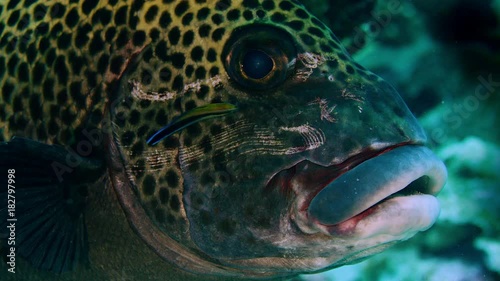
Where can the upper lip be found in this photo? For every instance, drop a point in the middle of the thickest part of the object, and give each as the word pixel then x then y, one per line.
pixel 314 177
pixel 307 180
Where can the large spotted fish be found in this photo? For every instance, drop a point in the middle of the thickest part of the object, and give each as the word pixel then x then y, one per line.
pixel 197 140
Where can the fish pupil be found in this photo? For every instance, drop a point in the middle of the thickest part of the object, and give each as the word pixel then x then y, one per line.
pixel 257 64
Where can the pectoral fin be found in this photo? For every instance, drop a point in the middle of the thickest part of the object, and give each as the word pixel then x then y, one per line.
pixel 46 202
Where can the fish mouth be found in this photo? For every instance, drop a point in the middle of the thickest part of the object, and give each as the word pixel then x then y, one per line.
pixel 377 192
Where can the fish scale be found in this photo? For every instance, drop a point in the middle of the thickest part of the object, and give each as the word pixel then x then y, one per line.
pixel 143 116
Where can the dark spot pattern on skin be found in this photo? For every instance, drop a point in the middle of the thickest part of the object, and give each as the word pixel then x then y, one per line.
pixel 200 73
pixel 154 34
pixel 326 48
pixel 203 14
pixel 137 148
pixel 161 51
pixel 285 5
pixel 12 4
pixel 96 45
pixel 48 90
pixel 187 19
pixel 89 5
pixel 57 11
pixel 190 105
pixel 127 138
pixel 165 19
pixel 62 70
pixel 68 116
pixel 334 64
pixel 217 19
pixel 150 115
pixel 116 64
pixel 307 39
pixel 146 77
pixel 122 38
pixel 181 8
pixel 248 15
pixel 164 195
pixel 222 5
pixel 189 71
pixel 278 17
pixel 102 64
pixel 178 84
pixel 172 179
pixel 62 96
pixel 211 55
pixel 214 71
pixel 301 13
pixel 250 4
pixel 72 18
pixel 233 15
pixel 197 53
pixel 204 30
pixel 165 74
pixel 175 203
pixel 75 90
pixel 103 16
pixel 143 130
pixel 315 31
pixel 7 89
pixel 13 18
pixel 149 185
pixel 174 35
pixel 268 5
pixel 202 93
pixel 151 13
pixel 319 24
pixel 23 22
pixel 134 117
pixel 206 144
pixel 161 117
pixel 188 38
pixel 121 16
pixel 64 41
pixel 23 72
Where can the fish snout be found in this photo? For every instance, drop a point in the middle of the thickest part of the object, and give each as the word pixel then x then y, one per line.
pixel 389 195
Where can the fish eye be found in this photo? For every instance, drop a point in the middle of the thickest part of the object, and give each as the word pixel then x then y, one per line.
pixel 258 57
pixel 257 64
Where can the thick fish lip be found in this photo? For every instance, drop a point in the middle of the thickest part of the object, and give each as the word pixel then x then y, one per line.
pixel 391 191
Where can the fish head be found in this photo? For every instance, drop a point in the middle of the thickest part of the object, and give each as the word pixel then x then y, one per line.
pixel 319 162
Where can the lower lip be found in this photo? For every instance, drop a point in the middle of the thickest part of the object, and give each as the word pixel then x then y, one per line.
pixel 400 217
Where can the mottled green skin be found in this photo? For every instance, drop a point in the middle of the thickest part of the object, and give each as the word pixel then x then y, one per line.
pixel 136 65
